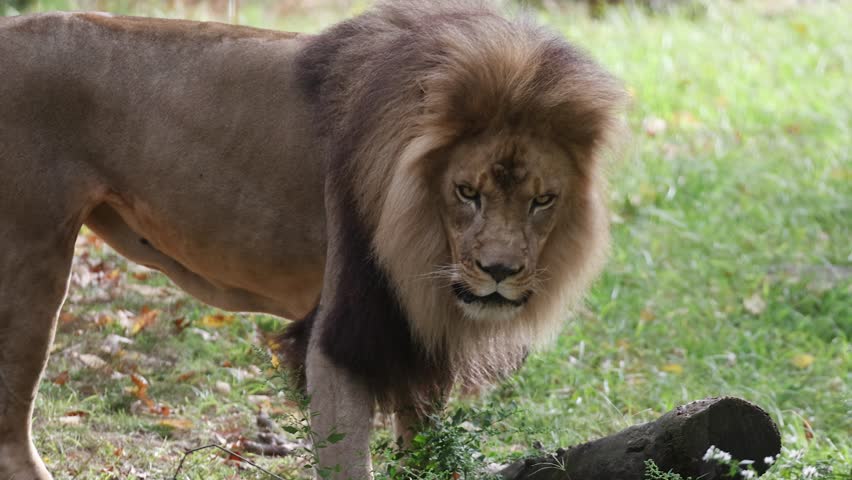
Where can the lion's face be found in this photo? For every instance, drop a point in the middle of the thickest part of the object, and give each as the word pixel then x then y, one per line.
pixel 500 199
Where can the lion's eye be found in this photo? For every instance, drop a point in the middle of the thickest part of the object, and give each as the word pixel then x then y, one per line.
pixel 467 193
pixel 543 201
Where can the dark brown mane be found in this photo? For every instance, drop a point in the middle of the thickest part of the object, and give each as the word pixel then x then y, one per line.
pixel 406 78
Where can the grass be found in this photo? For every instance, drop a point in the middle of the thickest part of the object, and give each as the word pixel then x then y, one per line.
pixel 730 271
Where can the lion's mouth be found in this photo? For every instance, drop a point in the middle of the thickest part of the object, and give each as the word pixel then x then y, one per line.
pixel 493 299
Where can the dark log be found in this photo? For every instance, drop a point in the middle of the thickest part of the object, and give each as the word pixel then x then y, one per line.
pixel 676 442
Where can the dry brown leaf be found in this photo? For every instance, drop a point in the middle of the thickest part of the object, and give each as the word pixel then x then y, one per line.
pixel 104 320
pixel 217 321
pixel 66 318
pixel 162 410
pixel 145 319
pixel 62 378
pixel 186 376
pixel 94 240
pixel 809 430
pixel 176 423
pixel 181 323
pixel 141 276
pixel 140 390
pixel 74 417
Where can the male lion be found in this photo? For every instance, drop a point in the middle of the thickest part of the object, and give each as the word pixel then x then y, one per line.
pixel 419 184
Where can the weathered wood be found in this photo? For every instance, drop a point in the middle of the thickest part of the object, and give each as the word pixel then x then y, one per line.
pixel 677 441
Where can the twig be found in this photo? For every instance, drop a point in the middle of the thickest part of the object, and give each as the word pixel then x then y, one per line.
pixel 187 453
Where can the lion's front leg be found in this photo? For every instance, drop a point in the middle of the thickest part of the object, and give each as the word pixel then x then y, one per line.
pixel 409 420
pixel 340 405
pixel 34 267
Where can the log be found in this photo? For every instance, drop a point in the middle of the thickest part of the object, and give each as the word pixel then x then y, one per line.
pixel 676 442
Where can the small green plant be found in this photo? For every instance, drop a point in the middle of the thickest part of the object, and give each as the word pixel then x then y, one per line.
pixel 653 472
pixel 449 447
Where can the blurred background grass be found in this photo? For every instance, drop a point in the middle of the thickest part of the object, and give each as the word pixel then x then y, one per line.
pixel 730 272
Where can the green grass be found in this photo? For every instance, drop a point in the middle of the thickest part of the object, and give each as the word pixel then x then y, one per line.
pixel 746 195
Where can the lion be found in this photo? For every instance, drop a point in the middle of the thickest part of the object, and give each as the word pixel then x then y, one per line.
pixel 420 187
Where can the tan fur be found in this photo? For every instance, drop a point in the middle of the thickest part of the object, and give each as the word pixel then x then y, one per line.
pixel 185 145
pixel 191 148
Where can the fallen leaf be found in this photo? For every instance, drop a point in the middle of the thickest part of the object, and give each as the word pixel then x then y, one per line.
pixel 176 423
pixel 755 304
pixel 180 324
pixel 141 276
pixel 675 368
pixel 62 378
pixel 162 410
pixel 73 420
pixel 802 360
pixel 800 28
pixel 235 460
pixel 793 129
pixel 809 430
pixel 142 321
pixel 112 344
pixel 217 321
pixel 104 320
pixel 113 274
pixel 140 390
pixel 92 361
pixel 186 376
pixel 98 267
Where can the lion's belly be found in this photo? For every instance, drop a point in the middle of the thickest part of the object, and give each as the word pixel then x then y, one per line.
pixel 246 265
pixel 242 232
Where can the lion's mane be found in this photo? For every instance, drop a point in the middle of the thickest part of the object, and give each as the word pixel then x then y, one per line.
pixel 393 88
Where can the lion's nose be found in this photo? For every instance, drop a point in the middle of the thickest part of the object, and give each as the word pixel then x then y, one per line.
pixel 499 271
